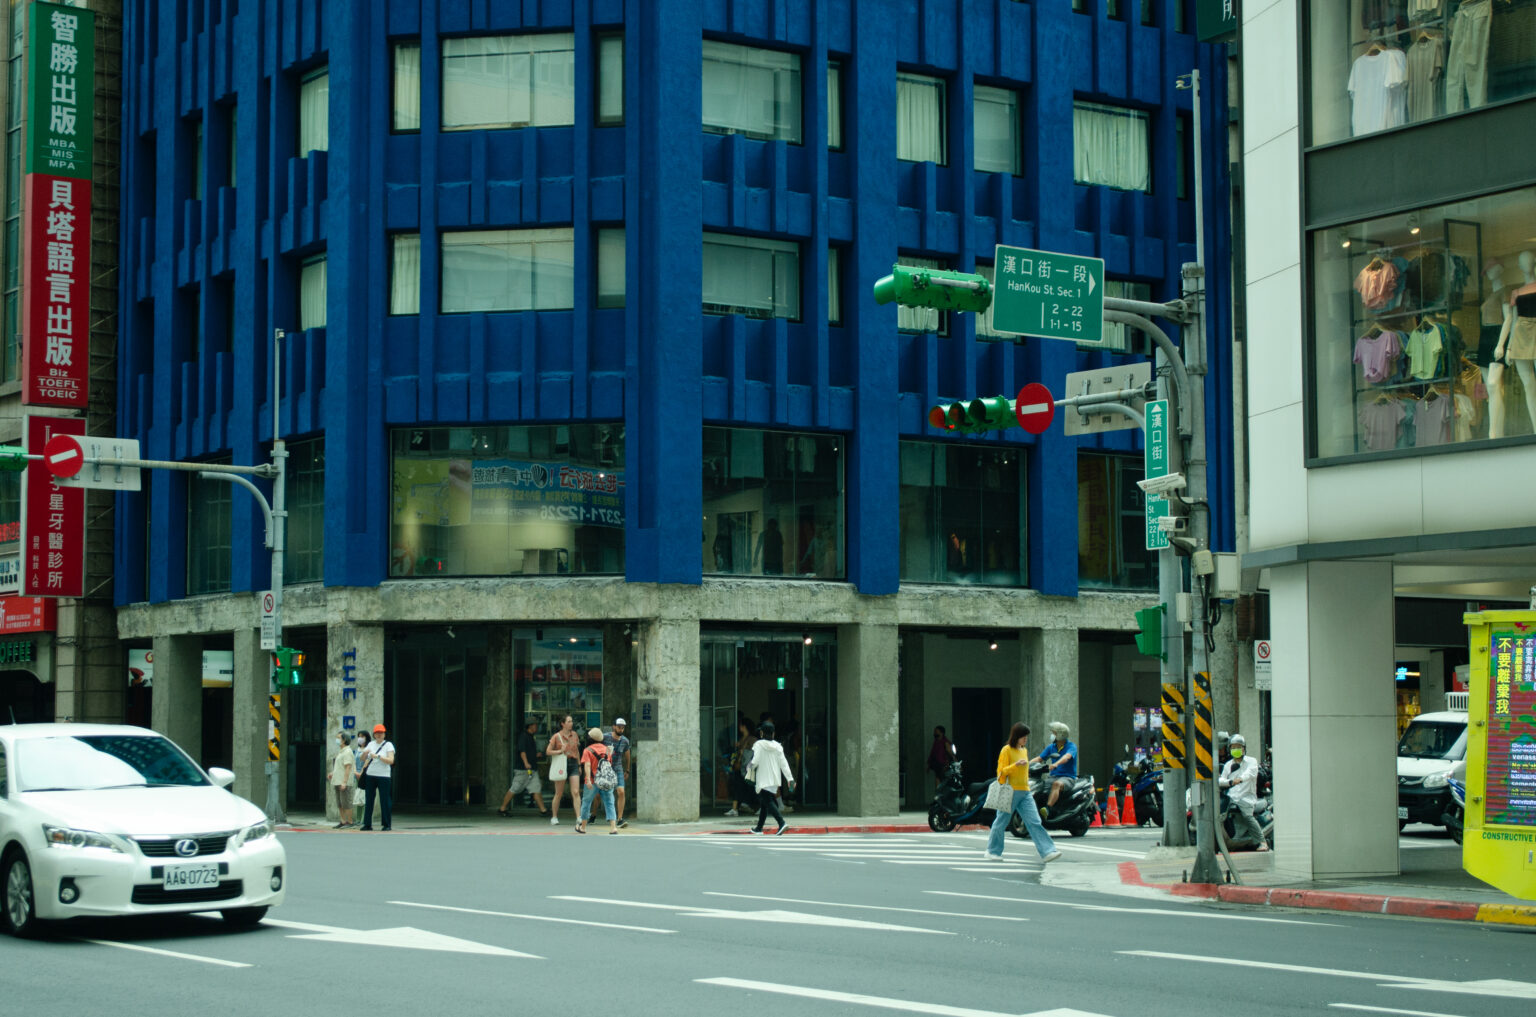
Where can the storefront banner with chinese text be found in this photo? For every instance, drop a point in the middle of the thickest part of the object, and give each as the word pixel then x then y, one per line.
pixel 52 520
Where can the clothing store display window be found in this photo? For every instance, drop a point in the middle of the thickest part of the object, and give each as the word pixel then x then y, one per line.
pixel 492 500
pixel 1379 64
pixel 773 503
pixel 962 514
pixel 1424 328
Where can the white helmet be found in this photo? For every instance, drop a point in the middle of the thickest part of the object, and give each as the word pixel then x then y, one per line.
pixel 1059 729
pixel 1238 739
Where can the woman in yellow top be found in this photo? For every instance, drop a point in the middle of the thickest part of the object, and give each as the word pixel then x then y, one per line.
pixel 1013 770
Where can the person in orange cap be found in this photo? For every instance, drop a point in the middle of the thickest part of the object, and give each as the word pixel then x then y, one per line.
pixel 377 776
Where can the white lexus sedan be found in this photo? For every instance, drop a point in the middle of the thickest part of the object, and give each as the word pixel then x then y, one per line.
pixel 99 820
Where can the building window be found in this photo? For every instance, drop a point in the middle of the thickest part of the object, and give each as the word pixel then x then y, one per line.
pixel 315 112
pixel 1411 315
pixel 407 114
pixel 1110 147
pixel 496 501
pixel 610 80
pixel 405 273
pixel 224 297
pixel 1111 524
pixel 1377 65
pixel 834 104
pixel 751 276
pixel 1080 6
pixel 312 293
pixel 10 512
pixel 920 118
pixel 509 81
pixel 233 124
pixel 962 518
pixel 1184 160
pixel 508 270
pixel 610 267
pixel 834 286
pixel 751 91
pixel 984 325
pixel 197 161
pixel 208 535
pixel 1149 11
pixel 1113 9
pixel 921 319
pixel 1118 336
pixel 192 302
pixel 997 130
pixel 304 559
pixel 773 503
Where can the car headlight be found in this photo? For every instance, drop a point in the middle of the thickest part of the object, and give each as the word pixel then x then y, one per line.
pixel 254 832
pixel 1436 780
pixel 63 837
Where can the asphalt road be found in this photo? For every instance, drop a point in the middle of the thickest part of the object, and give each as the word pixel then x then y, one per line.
pixel 427 923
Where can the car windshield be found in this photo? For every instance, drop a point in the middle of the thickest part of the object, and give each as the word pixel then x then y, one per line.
pixel 1430 739
pixel 91 762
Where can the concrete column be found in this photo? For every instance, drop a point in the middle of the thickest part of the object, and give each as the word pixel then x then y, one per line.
pixel 500 708
pixel 1048 683
pixel 177 705
pixel 354 681
pixel 1334 720
pixel 867 724
pixel 252 680
pixel 667 770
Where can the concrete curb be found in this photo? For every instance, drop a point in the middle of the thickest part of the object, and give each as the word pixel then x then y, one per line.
pixel 1333 900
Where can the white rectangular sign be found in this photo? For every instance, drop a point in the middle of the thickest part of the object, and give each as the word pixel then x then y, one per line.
pixel 1263 665
pixel 268 620
pixel 94 475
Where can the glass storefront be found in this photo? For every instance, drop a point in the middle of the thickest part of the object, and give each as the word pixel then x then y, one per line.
pixel 745 677
pixel 1379 64
pixel 1111 524
pixel 493 501
pixel 435 687
pixel 555 672
pixel 962 518
pixel 1424 327
pixel 773 503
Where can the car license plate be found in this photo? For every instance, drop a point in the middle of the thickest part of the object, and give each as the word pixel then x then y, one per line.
pixel 190 877
pixel 1402 812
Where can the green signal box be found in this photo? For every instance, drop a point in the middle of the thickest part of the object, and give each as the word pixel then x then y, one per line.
pixel 1149 631
pixel 13 458
pixel 287 665
pixel 938 288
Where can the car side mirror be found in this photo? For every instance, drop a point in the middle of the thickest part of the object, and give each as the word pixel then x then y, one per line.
pixel 221 777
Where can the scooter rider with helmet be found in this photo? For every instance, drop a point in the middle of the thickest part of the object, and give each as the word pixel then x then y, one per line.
pixel 1060 758
pixel 1241 776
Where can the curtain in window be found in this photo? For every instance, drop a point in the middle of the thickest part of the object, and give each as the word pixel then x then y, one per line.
pixel 997 135
pixel 1110 147
pixel 509 81
pixel 312 294
pixel 315 114
pixel 610 80
pixel 407 86
pixel 834 104
pixel 919 118
pixel 405 274
pixel 610 268
pixel 751 91
pixel 918 319
pixel 757 278
pixel 508 270
pixel 834 286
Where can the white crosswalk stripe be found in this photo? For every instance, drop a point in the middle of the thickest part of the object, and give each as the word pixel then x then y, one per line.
pixel 960 852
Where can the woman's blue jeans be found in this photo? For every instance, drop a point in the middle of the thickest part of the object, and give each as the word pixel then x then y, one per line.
pixel 1024 808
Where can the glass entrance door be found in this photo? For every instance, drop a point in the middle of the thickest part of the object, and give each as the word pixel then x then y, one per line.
pixel 435 686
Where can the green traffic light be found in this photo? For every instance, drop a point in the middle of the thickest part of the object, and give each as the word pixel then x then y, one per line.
pixel 934 287
pixel 1149 638
pixel 991 413
pixel 13 458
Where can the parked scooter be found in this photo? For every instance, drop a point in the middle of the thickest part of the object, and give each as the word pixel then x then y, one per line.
pixel 1074 808
pixel 1263 813
pixel 957 803
pixel 1144 779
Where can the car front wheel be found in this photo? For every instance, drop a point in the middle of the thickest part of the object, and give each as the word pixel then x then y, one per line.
pixel 243 918
pixel 20 909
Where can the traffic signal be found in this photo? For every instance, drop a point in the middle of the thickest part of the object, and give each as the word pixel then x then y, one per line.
pixel 990 413
pixel 287 665
pixel 912 286
pixel 1149 634
pixel 13 458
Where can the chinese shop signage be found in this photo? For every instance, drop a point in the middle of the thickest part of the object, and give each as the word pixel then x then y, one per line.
pixel 26 614
pixel 1511 763
pixel 52 520
pixel 60 87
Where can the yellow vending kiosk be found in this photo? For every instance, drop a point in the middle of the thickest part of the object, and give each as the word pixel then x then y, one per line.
pixel 1499 846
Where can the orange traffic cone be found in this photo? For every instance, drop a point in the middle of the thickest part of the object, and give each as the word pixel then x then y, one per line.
pixel 1128 814
pixel 1096 820
pixel 1113 819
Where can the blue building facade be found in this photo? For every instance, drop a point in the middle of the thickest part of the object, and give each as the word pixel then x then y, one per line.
pixel 621 252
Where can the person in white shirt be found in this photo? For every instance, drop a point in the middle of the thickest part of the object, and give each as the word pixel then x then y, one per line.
pixel 378 774
pixel 1241 776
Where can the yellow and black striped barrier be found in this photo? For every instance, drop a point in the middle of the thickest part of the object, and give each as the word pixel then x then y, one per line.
pixel 1173 726
pixel 1202 712
pixel 274 727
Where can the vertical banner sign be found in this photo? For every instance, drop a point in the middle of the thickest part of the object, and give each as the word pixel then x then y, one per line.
pixel 1156 465
pixel 1511 762
pixel 52 520
pixel 57 219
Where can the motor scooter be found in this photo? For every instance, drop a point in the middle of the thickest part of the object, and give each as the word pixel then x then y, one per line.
pixel 1263 814
pixel 1074 808
pixel 1144 779
pixel 957 803
pixel 1455 814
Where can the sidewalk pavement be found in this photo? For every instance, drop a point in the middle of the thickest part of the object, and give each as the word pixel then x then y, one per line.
pixel 1431 885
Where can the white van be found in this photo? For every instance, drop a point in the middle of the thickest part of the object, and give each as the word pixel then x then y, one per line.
pixel 1430 745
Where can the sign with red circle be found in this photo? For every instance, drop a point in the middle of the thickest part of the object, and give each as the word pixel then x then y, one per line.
pixel 63 455
pixel 1035 408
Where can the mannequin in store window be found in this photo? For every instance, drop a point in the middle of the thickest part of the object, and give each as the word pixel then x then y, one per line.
pixel 1517 339
pixel 1491 319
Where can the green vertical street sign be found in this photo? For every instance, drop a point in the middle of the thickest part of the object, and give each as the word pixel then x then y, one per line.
pixel 61 86
pixel 1156 465
pixel 1216 20
pixel 1054 296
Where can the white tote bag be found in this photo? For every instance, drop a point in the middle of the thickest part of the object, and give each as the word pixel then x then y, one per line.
pixel 557 766
pixel 1000 797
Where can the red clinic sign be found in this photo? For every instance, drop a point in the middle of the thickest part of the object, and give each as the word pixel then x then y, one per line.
pixel 26 614
pixel 52 520
pixel 55 291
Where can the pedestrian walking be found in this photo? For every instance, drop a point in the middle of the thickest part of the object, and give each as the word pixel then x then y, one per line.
pixel 378 777
pixel 564 751
pixel 740 788
pixel 343 779
pixel 940 755
pixel 767 771
pixel 598 780
pixel 526 776
pixel 618 748
pixel 1013 770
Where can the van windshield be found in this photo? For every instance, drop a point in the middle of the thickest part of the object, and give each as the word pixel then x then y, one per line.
pixel 1431 739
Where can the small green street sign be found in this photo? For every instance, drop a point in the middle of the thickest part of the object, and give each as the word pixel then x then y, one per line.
pixel 1156 465
pixel 1054 296
pixel 1157 507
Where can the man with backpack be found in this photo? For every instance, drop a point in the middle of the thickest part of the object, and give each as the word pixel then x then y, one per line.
pixel 598 778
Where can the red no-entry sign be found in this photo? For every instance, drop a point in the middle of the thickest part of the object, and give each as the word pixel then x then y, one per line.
pixel 1035 408
pixel 63 455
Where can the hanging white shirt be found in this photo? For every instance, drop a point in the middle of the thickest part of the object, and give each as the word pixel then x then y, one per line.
pixel 1378 86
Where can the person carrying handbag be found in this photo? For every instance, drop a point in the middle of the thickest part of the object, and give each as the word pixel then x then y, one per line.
pixel 564 749
pixel 1013 779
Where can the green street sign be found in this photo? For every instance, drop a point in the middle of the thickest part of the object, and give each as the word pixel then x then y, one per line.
pixel 61 88
pixel 1156 465
pixel 1216 20
pixel 1054 296
pixel 1157 507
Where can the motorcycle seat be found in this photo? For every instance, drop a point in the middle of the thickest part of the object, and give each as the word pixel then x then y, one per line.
pixel 980 789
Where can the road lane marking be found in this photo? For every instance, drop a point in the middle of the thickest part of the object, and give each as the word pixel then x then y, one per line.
pixel 404 937
pixel 866 907
pixel 782 917
pixel 884 1002
pixel 532 918
pixel 1390 1009
pixel 1101 850
pixel 1193 913
pixel 1501 987
pixel 168 953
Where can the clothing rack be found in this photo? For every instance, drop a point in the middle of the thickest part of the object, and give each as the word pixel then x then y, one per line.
pixel 1415 242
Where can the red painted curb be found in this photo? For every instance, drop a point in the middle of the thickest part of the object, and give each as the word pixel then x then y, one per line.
pixel 1245 894
pixel 1418 908
pixel 1321 900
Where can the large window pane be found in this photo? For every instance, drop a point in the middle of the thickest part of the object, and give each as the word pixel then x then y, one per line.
pixel 315 113
pixel 610 268
pixel 509 81
pixel 610 79
pixel 1409 311
pixel 962 514
pixel 751 91
pixel 750 276
pixel 1119 336
pixel 1110 147
pixel 489 500
pixel 405 273
pixel 304 557
pixel 834 104
pixel 407 115
pixel 1111 524
pixel 312 293
pixel 997 130
pixel 508 270
pixel 921 319
pixel 920 118
pixel 773 503
pixel 208 535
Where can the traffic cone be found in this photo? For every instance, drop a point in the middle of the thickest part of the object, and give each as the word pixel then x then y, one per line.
pixel 1097 822
pixel 1113 819
pixel 1128 814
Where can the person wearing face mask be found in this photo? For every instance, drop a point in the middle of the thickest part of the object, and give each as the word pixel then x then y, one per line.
pixel 1060 758
pixel 1241 776
pixel 343 772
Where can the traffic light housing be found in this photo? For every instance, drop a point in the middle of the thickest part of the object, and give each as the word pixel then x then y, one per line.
pixel 912 286
pixel 13 458
pixel 287 666
pixel 989 413
pixel 1149 631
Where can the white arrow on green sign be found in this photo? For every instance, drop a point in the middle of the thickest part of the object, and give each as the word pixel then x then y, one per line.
pixel 1156 465
pixel 1046 294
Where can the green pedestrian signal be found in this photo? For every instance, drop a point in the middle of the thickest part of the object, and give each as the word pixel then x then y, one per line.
pixel 13 458
pixel 287 666
pixel 1149 635
pixel 938 288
